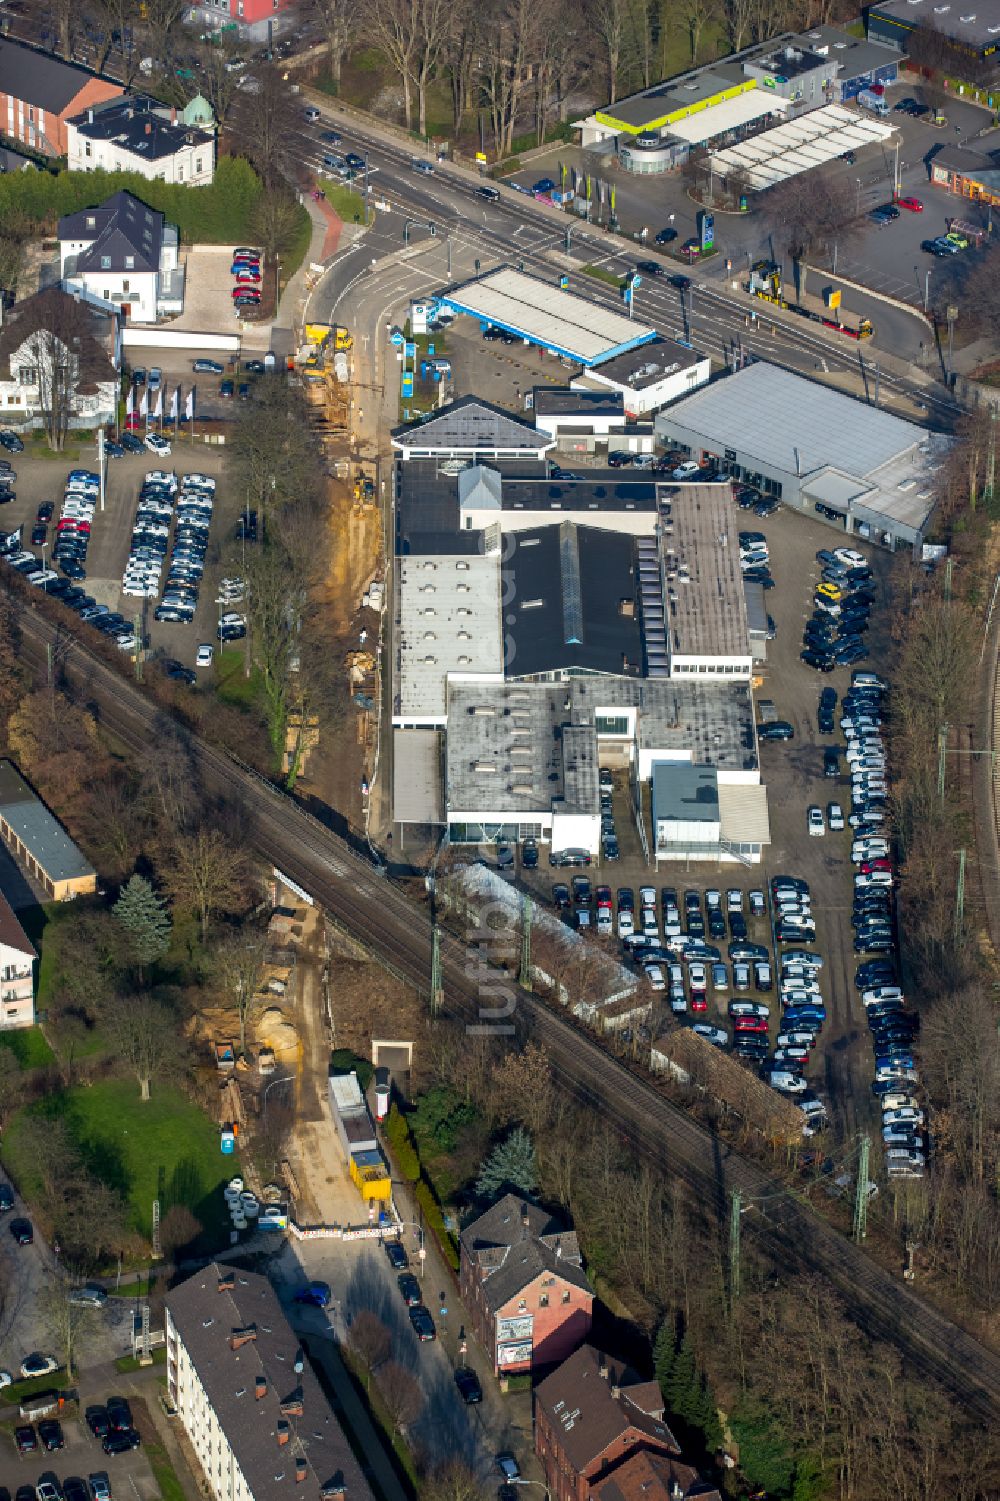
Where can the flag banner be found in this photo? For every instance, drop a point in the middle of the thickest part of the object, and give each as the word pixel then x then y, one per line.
pixel 144 403
pixel 158 409
pixel 175 402
pixel 130 401
pixel 189 404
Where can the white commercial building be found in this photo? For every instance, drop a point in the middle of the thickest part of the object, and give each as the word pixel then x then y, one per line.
pixel 258 1420
pixel 649 377
pixel 448 629
pixel 122 255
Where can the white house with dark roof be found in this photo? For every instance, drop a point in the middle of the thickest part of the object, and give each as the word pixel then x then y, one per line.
pixel 138 134
pixel 123 255
pixel 257 1418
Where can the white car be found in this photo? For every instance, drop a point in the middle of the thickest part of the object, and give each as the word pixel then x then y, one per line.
pixel 626 925
pixel 711 1034
pixel 38 1365
pixel 205 655
pixel 850 556
pixel 835 817
pixel 697 979
pixel 6 1379
pixel 902 1116
pixel 814 822
pixel 882 993
pixel 734 900
pixel 654 974
pixel 685 470
pixel 157 445
pixel 785 1082
pixel 44 578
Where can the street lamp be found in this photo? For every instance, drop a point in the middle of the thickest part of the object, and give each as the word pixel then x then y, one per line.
pixel 285 1079
pixel 523 1480
pixel 857 207
pixel 927 288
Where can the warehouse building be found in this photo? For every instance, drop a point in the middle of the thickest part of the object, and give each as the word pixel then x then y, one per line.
pixel 972 29
pixel 39 842
pixel 867 472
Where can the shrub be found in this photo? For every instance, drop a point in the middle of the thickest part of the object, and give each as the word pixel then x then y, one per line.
pixel 344 1061
pixel 435 1222
pixel 401 1142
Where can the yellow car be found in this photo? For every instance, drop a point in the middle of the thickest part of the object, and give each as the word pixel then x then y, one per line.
pixel 957 238
pixel 830 591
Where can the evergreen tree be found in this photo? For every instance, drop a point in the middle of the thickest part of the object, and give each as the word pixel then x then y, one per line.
pixel 705 1416
pixel 665 1353
pixel 510 1166
pixel 145 921
pixel 681 1395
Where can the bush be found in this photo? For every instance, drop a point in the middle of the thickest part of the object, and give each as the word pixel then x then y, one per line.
pixel 218 213
pixel 344 1061
pixel 435 1222
pixel 398 1133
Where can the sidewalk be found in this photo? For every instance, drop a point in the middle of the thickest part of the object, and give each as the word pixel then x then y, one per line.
pixel 280 336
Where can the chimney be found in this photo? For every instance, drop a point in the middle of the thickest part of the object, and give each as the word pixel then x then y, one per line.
pixel 292 1407
pixel 331 1488
pixel 616 1392
pixel 260 1388
pixel 301 1470
pixel 244 1336
pixel 284 1432
pixel 525 1221
pixel 558 1249
pixel 90 117
pixel 602 1369
pixel 227 1281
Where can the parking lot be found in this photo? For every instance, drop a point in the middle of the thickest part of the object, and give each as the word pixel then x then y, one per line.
pixel 81 1457
pixel 842 1066
pixel 43 479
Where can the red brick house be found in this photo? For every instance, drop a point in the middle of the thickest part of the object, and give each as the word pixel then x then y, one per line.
pixel 600 1435
pixel 39 92
pixel 523 1283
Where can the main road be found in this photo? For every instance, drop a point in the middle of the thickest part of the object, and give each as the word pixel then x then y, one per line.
pixel 518 229
pixel 360 897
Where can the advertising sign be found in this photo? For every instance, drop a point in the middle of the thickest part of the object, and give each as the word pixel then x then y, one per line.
pixel 706 229
pixel 519 1328
pixel 514 1354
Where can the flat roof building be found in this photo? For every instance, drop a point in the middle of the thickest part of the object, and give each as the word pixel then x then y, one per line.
pixel 447 627
pixel 566 324
pixel 39 841
pixel 975 30
pixel 815 449
pixel 649 377
pixel 706 618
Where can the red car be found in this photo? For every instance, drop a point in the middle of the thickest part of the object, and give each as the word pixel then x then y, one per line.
pixel 913 204
pixel 750 1024
pixel 699 1003
pixel 73 526
pixel 868 866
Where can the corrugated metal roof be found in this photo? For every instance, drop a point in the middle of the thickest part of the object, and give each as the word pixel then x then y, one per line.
pixel 417 762
pixel 38 829
pixel 743 813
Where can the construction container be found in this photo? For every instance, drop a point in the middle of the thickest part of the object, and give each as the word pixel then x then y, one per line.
pixel 371 1176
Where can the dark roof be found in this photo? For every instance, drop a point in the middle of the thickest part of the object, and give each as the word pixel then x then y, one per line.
pixel 206 1312
pixel 602 490
pixel 647 1476
pixel 961 159
pixel 15 161
pixel 122 226
pixel 564 401
pixel 470 425
pixel 509 1253
pixel 11 932
pixel 572 598
pixel 133 123
pixel 591 1401
pixel 77 324
pixel 41 79
pixel 38 830
pixel 647 365
pixel 427 511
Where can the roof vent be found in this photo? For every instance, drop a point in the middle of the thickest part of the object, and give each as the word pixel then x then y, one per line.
pixel 301 1470
pixel 227 1281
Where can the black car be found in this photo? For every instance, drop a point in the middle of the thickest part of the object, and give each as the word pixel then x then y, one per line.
pixel 11 441
pixel 119 1414
pixel 254 367
pixel 468 1385
pixel 831 761
pixel 51 1434
pixel 778 729
pixel 666 236
pixel 409 1289
pixel 651 268
pixel 235 632
pixel 398 1259
pixel 181 674
pixel 818 661
pixel 680 282
pixel 21 1232
pixel 113 449
pixel 6 1198
pixel 75 1489
pixel 529 854
pixel 131 443
pixel 227 388
pixel 26 1439
pixel 121 1442
pixel 39 534
pixel 423 1324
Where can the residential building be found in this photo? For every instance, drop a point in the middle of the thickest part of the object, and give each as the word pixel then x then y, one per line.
pixel 39 842
pixel 122 255
pixel 523 1282
pixel 55 349
pixel 40 92
pixel 257 1418
pixel 973 30
pixel 862 469
pixel 248 18
pixel 138 134
pixel 600 1432
pixel 17 971
pixel 969 174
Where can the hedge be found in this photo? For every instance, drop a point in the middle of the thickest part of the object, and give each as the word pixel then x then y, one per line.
pixel 218 213
pixel 344 1061
pixel 401 1142
pixel 435 1222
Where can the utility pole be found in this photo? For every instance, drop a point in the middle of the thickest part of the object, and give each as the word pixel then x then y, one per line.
pixel 861 1193
pixel 524 979
pixel 991 454
pixel 949 569
pixel 960 897
pixel 437 988
pixel 942 752
pixel 138 633
pixel 734 1247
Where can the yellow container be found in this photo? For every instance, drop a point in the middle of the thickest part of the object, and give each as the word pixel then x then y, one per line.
pixel 371 1176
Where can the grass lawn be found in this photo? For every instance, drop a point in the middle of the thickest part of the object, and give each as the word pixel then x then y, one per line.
pixel 231 682
pixel 126 1364
pixel 163 1148
pixel 600 273
pixel 28 1046
pixel 159 1461
pixel 345 202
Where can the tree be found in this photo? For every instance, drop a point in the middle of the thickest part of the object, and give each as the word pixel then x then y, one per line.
pixel 509 50
pixel 453 1480
pixel 144 917
pixel 342 24
pixel 394 26
pixel 402 1395
pixel 219 83
pixel 178 1228
pixel 696 15
pixel 270 126
pixel 65 1321
pixel 370 1341
pixel 144 1034
pixel 52 351
pixel 206 875
pixel 275 222
pixel 275 602
pixel 665 1353
pixel 682 1383
pixel 511 1165
pixel 524 1088
pixel 13 1086
pixel 611 20
pixel 239 962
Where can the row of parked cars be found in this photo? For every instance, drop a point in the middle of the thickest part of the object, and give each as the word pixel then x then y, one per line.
pixel 893 1027
pixel 192 517
pixel 842 604
pixel 755 559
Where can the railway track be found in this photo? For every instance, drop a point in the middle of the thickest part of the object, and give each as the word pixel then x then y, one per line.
pixel 364 901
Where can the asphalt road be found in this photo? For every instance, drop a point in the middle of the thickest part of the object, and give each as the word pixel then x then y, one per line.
pixel 519 230
pixel 358 895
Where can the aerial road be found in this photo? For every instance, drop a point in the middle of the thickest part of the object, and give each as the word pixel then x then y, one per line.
pixel 361 899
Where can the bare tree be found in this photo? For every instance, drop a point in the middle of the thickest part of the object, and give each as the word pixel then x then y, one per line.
pixel 612 24
pixel 269 122
pixel 52 352
pixel 65 1321
pixel 342 24
pixel 395 27
pixel 739 22
pixel 696 15
pixel 239 964
pixel 144 1035
pixel 370 1341
pixel 219 83
pixel 454 1480
pixel 402 1395
pixel 275 222
pixel 163 18
pixel 509 49
pixel 433 32
pixel 178 1228
pixel 207 876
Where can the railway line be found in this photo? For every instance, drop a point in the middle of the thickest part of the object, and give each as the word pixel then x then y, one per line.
pixel 360 897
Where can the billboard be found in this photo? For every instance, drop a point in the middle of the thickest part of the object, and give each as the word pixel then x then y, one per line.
pixel 519 1328
pixel 514 1354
